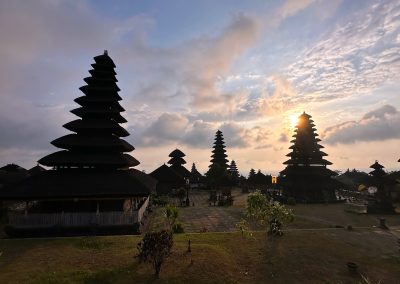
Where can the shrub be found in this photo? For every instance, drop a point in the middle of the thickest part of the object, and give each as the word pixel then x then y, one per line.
pixel 171 214
pixel 261 211
pixel 178 228
pixel 155 248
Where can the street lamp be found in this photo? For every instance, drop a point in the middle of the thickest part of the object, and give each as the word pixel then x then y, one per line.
pixel 187 192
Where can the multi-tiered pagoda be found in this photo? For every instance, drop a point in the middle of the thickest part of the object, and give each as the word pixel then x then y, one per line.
pixel 218 174
pixel 173 177
pixel 233 170
pixel 92 182
pixel 381 201
pixel 306 177
pixel 177 161
pixel 219 156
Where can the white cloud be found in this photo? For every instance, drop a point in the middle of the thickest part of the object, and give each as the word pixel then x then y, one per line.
pixel 355 57
pixel 377 125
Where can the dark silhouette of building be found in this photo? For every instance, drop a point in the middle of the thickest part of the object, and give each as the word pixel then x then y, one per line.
pixel 233 170
pixel 381 202
pixel 306 177
pixel 196 178
pixel 173 177
pixel 176 163
pixel 219 156
pixel 218 174
pixel 92 182
pixel 167 179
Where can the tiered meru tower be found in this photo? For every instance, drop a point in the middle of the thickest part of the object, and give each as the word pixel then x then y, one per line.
pixel 177 161
pixel 96 142
pixel 92 186
pixel 219 156
pixel 306 177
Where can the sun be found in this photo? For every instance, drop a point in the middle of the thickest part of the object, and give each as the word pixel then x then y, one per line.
pixel 293 121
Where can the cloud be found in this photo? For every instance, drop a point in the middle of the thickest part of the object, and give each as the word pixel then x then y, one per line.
pixel 173 128
pixel 377 125
pixel 283 137
pixel 355 57
pixel 291 7
pixel 169 127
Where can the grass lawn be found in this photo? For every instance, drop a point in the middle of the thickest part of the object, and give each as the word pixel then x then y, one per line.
pixel 298 257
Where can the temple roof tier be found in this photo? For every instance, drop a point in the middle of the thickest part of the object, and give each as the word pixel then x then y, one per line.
pixel 89 126
pixel 98 112
pixel 177 153
pixel 89 159
pixel 92 143
pixel 176 161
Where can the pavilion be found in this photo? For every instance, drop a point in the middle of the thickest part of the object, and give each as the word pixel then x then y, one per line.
pixel 92 187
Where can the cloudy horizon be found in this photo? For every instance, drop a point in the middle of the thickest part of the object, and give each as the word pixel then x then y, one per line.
pixel 188 69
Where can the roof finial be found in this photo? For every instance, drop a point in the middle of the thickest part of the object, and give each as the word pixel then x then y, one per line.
pixel 105 52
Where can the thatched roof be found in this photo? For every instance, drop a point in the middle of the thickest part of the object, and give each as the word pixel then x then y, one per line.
pixel 76 141
pixel 176 154
pixel 181 170
pixel 165 174
pixel 12 168
pixel 93 125
pixel 36 170
pixel 80 159
pixel 81 184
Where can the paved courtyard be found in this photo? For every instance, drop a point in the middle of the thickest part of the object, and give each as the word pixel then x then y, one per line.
pixel 203 217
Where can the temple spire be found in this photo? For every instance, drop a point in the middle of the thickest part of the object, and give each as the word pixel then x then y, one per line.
pixel 306 177
pixel 96 141
pixel 219 156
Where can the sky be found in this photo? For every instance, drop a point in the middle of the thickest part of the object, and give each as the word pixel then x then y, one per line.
pixel 189 68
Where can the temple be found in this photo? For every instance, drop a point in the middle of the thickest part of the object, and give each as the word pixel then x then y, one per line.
pixel 92 185
pixel 219 156
pixel 306 177
pixel 196 178
pixel 170 178
pixel 381 201
pixel 217 174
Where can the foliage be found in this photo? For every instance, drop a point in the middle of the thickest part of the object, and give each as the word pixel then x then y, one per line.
pixel 171 214
pixel 243 228
pixel 177 228
pixel 262 211
pixel 155 248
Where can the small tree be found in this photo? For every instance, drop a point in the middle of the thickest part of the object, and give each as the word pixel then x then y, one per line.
pixel 155 248
pixel 171 214
pixel 261 211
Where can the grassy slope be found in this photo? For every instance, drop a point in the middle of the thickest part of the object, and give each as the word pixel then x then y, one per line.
pixel 300 256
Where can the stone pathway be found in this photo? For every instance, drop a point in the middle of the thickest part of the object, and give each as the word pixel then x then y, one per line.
pixel 202 217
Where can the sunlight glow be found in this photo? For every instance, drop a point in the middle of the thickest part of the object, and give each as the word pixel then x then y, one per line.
pixel 293 121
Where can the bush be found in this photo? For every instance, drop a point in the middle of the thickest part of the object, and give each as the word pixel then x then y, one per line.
pixel 155 248
pixel 178 228
pixel 260 210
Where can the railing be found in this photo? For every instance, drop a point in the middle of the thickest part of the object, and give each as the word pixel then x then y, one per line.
pixel 74 219
pixel 142 209
pixel 77 219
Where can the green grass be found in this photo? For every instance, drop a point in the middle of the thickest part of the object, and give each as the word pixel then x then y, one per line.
pixel 297 257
